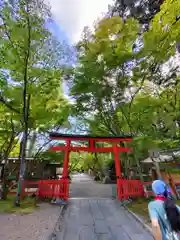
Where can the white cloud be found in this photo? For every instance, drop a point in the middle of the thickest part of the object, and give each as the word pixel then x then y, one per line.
pixel 73 15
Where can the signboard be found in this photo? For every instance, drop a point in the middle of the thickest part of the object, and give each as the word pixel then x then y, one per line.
pixel 154 153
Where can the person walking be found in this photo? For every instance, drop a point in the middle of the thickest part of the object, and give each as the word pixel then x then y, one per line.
pixel 164 213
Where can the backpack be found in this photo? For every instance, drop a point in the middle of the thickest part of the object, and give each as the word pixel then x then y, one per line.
pixel 171 235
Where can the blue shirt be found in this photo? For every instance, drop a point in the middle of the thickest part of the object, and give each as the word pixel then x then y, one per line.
pixel 157 211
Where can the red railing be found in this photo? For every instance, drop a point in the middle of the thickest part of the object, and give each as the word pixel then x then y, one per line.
pixel 28 187
pixel 45 188
pixel 129 188
pixel 54 188
pixel 60 188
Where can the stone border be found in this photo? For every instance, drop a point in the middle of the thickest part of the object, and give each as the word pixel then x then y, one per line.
pixel 138 219
pixel 53 235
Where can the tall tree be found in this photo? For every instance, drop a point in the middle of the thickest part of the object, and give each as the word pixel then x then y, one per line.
pixel 109 66
pixel 30 66
pixel 120 87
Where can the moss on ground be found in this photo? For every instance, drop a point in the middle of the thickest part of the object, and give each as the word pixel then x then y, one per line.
pixel 140 207
pixel 28 205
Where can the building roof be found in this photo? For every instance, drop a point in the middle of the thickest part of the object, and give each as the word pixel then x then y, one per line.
pixel 86 137
pixel 168 157
pixel 33 160
pixel 158 160
pixel 27 159
pixel 17 158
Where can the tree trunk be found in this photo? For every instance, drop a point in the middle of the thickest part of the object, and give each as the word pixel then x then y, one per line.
pixel 138 167
pixel 4 189
pixel 32 142
pixel 5 175
pixel 23 153
pixel 156 165
pixel 26 105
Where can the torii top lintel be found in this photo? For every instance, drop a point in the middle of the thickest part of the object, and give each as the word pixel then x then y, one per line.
pixel 92 140
pixel 116 139
pixel 115 148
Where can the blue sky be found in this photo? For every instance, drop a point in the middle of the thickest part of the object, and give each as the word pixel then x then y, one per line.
pixel 62 36
pixel 71 16
pixel 58 32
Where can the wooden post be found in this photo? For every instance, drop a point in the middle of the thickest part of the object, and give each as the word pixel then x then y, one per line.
pixel 91 145
pixel 117 161
pixel 156 165
pixel 118 170
pixel 66 160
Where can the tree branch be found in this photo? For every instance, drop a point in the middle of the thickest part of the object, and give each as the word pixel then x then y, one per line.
pixel 8 105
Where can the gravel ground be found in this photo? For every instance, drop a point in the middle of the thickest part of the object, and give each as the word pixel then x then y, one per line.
pixel 35 226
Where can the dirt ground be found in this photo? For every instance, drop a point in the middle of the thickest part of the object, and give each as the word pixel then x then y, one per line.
pixel 35 226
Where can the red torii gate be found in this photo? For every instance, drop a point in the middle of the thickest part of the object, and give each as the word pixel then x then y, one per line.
pixel 92 140
pixel 60 188
pixel 91 148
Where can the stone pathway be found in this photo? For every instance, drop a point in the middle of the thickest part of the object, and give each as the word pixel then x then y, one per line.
pixel 83 186
pixel 36 226
pixel 90 190
pixel 100 219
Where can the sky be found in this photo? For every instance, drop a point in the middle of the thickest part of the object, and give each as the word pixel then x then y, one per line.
pixel 71 16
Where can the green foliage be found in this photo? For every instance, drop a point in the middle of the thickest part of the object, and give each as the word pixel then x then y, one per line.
pixel 15 150
pixel 9 131
pixel 52 156
pixel 160 40
pixel 100 80
pixel 120 84
pixel 123 83
pixel 28 48
pixel 30 71
pixel 94 162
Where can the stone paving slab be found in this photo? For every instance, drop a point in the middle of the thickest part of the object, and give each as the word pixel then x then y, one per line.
pixel 100 219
